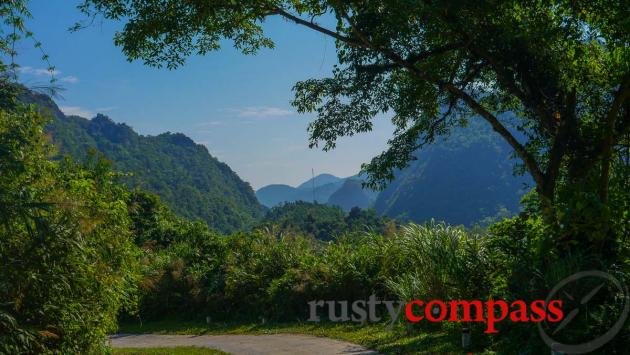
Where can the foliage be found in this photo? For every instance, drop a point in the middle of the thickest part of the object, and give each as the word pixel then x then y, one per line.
pixel 13 34
pixel 550 78
pixel 436 261
pixel 270 277
pixel 322 221
pixel 182 261
pixel 523 265
pixel 65 245
pixel 273 276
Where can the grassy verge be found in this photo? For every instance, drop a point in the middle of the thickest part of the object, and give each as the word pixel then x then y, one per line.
pixel 374 336
pixel 187 350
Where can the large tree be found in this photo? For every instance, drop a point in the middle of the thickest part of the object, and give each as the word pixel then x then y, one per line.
pixel 552 78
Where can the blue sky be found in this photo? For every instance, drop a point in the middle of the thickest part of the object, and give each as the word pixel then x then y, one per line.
pixel 236 105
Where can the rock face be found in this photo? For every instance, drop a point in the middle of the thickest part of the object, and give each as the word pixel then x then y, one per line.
pixel 186 177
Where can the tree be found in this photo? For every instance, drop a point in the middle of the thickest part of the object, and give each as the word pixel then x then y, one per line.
pixel 552 78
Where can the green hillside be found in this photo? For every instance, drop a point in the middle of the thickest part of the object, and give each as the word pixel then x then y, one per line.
pixel 461 180
pixel 186 177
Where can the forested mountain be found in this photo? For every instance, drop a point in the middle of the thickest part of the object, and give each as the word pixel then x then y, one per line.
pixel 324 186
pixel 461 180
pixel 352 194
pixel 320 180
pixel 186 177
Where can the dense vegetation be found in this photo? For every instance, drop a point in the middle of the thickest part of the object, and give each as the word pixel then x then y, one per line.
pixel 324 222
pixel 263 276
pixel 75 232
pixel 67 254
pixel 187 178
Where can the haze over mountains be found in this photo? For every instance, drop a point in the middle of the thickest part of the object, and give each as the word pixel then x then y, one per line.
pixel 323 188
pixel 461 180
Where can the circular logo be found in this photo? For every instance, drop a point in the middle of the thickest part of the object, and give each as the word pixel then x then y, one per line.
pixel 583 301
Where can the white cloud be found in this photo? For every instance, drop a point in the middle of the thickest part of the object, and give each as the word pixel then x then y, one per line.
pixel 77 111
pixel 105 109
pixel 38 71
pixel 70 79
pixel 45 72
pixel 261 111
pixel 209 124
pixel 26 70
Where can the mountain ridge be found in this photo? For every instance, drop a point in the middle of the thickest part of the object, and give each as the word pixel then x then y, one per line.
pixel 187 178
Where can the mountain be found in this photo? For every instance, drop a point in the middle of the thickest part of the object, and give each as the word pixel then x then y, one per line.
pixel 186 177
pixel 462 180
pixel 465 178
pixel 325 186
pixel 320 180
pixel 273 195
pixel 352 194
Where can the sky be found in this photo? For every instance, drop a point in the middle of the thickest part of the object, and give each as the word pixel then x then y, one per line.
pixel 237 106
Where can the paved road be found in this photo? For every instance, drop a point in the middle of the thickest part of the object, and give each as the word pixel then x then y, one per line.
pixel 244 344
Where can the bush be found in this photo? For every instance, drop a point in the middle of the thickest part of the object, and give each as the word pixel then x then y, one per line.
pixel 67 253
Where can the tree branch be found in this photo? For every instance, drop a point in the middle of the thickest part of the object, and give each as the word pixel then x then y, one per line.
pixel 609 135
pixel 561 140
pixel 412 58
pixel 528 159
pixel 312 25
pixel 508 81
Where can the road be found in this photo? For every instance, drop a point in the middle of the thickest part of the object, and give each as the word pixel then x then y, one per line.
pixel 245 344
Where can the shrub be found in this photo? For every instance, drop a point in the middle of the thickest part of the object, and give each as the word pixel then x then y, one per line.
pixel 65 246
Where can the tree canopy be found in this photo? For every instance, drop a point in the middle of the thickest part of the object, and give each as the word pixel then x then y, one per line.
pixel 561 67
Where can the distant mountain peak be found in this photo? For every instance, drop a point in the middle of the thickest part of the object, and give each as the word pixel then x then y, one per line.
pixel 320 180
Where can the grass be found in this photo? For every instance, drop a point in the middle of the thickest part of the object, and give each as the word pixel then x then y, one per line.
pixel 188 350
pixel 374 336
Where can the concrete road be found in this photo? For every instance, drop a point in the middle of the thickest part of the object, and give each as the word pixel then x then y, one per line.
pixel 244 344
